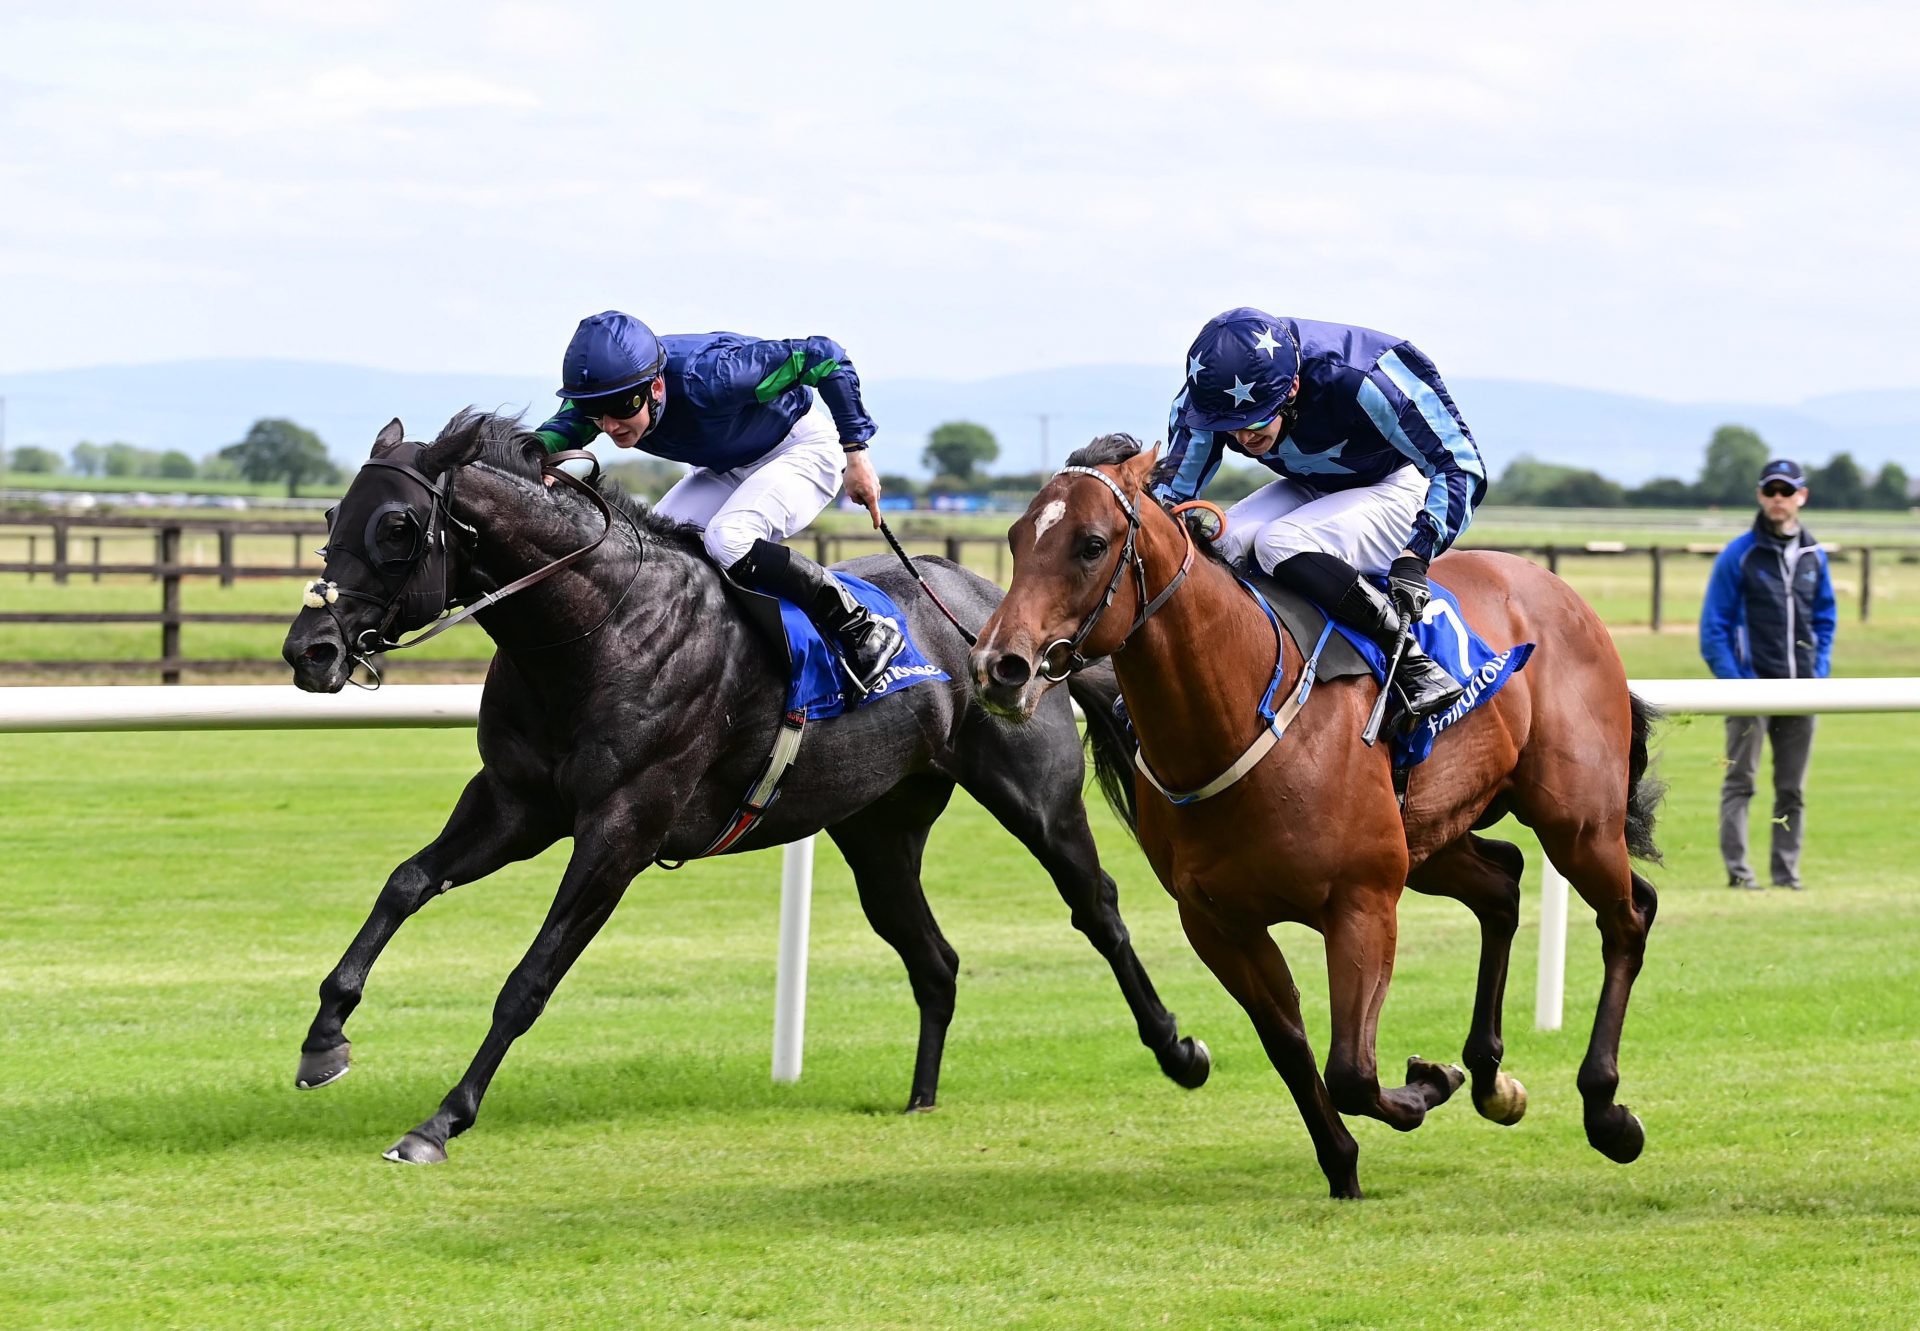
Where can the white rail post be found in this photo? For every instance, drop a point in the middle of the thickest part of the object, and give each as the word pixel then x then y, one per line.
pixel 790 982
pixel 1551 990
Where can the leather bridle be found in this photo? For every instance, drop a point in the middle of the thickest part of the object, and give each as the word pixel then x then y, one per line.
pixel 1054 666
pixel 422 606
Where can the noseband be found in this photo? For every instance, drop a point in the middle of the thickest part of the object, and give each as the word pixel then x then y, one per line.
pixel 1062 658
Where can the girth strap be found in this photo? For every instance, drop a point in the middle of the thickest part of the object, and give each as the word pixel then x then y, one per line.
pixel 760 796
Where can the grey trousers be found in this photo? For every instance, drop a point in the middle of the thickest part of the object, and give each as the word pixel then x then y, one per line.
pixel 1792 738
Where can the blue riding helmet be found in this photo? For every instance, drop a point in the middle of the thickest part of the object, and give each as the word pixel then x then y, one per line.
pixel 1239 371
pixel 611 353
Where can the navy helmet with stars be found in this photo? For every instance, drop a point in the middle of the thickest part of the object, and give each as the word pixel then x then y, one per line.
pixel 1239 371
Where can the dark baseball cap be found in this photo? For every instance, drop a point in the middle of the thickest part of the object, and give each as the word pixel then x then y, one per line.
pixel 1784 469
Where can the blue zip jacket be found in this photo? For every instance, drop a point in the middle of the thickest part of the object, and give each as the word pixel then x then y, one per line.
pixel 1369 404
pixel 732 399
pixel 1769 612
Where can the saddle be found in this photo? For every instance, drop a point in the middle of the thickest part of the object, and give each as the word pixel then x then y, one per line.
pixel 1304 620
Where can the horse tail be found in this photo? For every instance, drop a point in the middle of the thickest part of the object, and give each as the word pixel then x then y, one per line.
pixel 1643 792
pixel 1108 741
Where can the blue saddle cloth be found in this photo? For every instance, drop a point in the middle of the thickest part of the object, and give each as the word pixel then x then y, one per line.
pixel 1461 652
pixel 818 685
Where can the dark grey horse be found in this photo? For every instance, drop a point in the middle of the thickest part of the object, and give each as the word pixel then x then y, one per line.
pixel 630 706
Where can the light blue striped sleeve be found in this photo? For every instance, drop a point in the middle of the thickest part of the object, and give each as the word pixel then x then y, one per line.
pixel 1193 456
pixel 1412 411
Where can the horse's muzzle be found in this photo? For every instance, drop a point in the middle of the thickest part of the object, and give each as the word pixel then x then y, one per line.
pixel 1007 682
pixel 319 658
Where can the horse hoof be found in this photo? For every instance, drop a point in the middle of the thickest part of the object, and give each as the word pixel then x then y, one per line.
pixel 329 1065
pixel 413 1149
pixel 1508 1103
pixel 917 1104
pixel 1192 1073
pixel 1624 1137
pixel 1443 1077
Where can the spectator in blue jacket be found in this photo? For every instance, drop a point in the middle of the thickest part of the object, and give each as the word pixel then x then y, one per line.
pixel 1769 614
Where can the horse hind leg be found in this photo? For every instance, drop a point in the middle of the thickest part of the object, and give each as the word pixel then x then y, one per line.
pixel 1051 822
pixel 1624 904
pixel 1484 875
pixel 883 845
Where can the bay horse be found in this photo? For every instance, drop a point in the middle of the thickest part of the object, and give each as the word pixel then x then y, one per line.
pixel 1313 834
pixel 631 706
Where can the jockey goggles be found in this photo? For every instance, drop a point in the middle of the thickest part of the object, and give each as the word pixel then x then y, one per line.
pixel 621 406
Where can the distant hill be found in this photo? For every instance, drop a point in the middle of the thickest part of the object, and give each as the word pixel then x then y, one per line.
pixel 199 406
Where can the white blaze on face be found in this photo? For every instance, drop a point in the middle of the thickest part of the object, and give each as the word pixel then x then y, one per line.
pixel 1049 515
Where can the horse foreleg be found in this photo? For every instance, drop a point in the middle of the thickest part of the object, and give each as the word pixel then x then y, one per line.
pixel 1362 933
pixel 602 866
pixel 488 828
pixel 1484 875
pixel 1249 966
pixel 1051 822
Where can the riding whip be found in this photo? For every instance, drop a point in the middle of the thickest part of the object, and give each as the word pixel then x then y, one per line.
pixel 1372 729
pixel 926 587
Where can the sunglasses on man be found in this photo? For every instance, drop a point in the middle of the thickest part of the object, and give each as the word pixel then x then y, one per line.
pixel 1777 489
pixel 619 406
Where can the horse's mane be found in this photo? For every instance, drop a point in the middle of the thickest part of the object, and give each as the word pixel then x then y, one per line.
pixel 1112 448
pixel 504 444
pixel 1105 451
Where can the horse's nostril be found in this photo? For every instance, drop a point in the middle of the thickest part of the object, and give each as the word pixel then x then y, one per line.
pixel 1010 669
pixel 321 653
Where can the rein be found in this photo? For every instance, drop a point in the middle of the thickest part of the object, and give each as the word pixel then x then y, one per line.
pixel 1073 661
pixel 374 640
pixel 1275 721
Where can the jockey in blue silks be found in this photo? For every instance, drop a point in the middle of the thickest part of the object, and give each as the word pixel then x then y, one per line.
pixel 1378 473
pixel 767 427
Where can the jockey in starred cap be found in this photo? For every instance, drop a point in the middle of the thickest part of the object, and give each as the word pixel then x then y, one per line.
pixel 1377 472
pixel 767 427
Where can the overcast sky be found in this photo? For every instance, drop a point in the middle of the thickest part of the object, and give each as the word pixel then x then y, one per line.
pixel 1688 200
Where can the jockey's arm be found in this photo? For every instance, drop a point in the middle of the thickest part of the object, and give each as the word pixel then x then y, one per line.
pixel 1193 456
pixel 569 428
pixel 1414 419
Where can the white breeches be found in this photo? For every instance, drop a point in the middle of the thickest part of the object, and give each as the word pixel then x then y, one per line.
pixel 1368 527
pixel 767 500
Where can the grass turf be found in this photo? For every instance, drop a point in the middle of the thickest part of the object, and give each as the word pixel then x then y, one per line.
pixel 171 902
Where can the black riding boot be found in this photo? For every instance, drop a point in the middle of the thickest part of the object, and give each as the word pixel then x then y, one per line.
pixel 867 644
pixel 1427 689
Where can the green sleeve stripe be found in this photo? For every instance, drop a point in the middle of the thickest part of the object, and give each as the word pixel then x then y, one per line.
pixel 793 370
pixel 567 429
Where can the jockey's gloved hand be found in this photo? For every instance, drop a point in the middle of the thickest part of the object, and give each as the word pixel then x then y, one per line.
pixel 1407 585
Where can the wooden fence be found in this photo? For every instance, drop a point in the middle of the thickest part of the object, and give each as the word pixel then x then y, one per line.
pixel 64 536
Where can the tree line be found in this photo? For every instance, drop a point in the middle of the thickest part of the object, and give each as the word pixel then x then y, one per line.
pixel 1733 461
pixel 274 450
pixel 959 452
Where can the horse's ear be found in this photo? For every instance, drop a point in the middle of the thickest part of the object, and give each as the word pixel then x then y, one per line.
pixel 1138 469
pixel 457 444
pixel 390 437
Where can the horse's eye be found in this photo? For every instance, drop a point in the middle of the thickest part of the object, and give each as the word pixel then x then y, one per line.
pixel 1093 547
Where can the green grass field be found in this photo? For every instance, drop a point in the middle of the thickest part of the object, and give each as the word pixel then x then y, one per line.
pixel 172 901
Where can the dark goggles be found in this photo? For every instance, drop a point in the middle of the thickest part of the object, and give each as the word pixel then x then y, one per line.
pixel 624 405
pixel 1778 489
